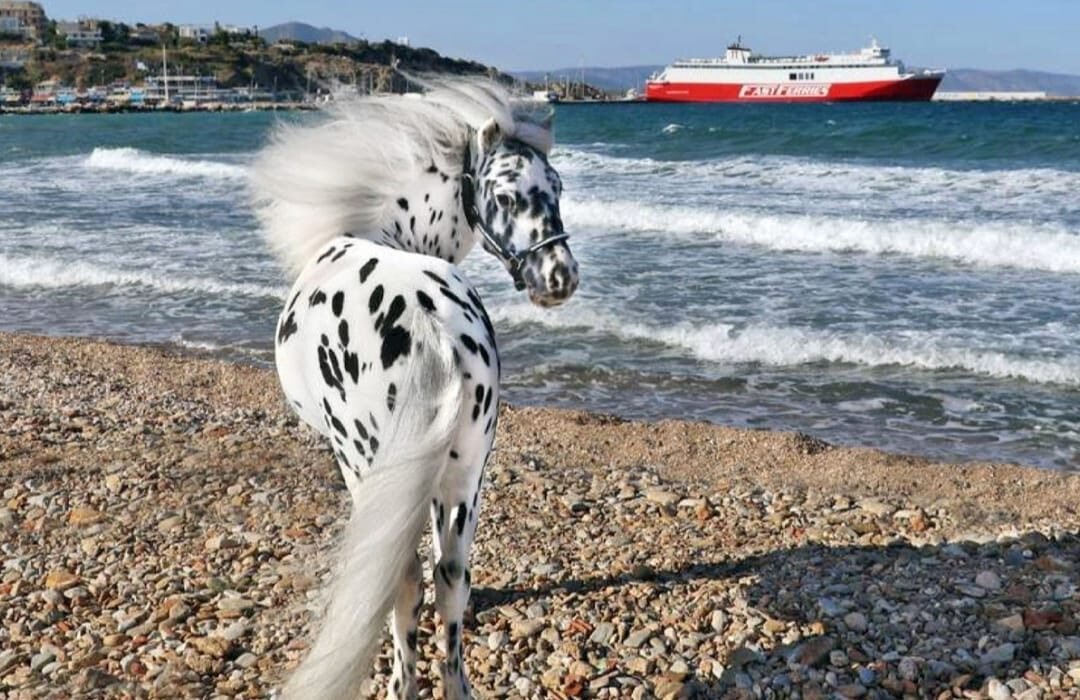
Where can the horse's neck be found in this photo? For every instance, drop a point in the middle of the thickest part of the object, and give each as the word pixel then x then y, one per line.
pixel 428 218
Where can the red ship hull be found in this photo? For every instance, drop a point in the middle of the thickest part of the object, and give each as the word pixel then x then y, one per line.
pixel 917 89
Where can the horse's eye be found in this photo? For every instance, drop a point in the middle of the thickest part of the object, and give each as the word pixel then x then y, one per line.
pixel 504 200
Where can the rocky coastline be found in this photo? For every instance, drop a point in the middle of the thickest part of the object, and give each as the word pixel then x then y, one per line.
pixel 165 526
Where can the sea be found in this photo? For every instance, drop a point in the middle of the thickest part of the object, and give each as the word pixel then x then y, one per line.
pixel 900 276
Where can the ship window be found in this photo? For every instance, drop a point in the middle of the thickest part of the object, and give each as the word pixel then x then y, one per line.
pixel 791 76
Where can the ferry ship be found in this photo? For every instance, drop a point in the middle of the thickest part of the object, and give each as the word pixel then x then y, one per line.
pixel 740 76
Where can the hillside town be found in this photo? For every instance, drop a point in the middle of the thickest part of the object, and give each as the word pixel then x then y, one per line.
pixel 93 64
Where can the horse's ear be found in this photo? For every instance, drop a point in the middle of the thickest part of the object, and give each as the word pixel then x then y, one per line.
pixel 488 135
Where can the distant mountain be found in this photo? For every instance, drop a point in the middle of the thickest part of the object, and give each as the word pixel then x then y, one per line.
pixel 971 80
pixel 956 80
pixel 298 31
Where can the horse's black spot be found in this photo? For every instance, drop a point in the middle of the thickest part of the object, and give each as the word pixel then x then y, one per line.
pixel 375 300
pixel 329 252
pixel 343 332
pixel 366 270
pixel 340 253
pixel 396 343
pixel 360 428
pixel 288 327
pixel 391 396
pixel 425 300
pixel 403 203
pixel 484 355
pixel 436 278
pixel 459 523
pixel 352 365
pixel 468 342
pixel 293 302
pixel 487 400
pixel 337 303
pixel 317 297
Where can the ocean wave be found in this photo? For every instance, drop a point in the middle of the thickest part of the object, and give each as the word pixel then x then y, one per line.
pixel 985 244
pixel 781 346
pixel 1013 190
pixel 132 160
pixel 50 273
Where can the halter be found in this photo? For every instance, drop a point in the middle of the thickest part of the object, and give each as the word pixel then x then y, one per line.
pixel 514 260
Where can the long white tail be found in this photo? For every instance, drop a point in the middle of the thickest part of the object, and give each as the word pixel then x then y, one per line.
pixel 387 521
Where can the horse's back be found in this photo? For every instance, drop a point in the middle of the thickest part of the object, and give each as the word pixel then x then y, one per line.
pixel 345 340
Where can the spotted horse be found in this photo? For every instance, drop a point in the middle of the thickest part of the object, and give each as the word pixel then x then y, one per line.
pixel 384 345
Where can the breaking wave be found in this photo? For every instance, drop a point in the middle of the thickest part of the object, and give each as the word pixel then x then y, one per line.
pixel 986 244
pixel 785 346
pixel 47 273
pixel 133 160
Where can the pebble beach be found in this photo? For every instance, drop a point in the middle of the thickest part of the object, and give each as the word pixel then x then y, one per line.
pixel 166 526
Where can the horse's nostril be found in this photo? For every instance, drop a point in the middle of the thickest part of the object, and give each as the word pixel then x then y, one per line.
pixel 560 279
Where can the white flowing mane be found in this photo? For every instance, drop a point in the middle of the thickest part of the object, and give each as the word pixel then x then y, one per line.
pixel 315 182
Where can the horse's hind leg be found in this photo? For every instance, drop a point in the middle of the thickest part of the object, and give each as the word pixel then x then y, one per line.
pixel 455 513
pixel 410 597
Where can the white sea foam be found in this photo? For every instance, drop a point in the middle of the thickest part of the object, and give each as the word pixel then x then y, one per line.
pixel 986 244
pixel 1019 192
pixel 50 273
pixel 132 160
pixel 781 346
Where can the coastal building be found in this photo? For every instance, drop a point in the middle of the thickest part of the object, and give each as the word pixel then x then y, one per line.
pixel 990 96
pixel 13 59
pixel 84 33
pixel 23 18
pixel 195 32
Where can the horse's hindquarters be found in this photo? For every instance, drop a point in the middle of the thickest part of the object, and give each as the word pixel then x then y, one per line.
pixel 347 342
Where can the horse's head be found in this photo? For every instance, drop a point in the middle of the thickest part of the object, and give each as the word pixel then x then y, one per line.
pixel 512 200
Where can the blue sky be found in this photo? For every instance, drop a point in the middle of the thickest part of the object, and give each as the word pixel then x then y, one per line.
pixel 546 34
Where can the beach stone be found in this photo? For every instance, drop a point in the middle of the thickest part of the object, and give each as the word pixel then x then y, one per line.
pixel 1000 654
pixel 60 580
pixel 496 640
pixel 523 629
pixel 235 604
pixel 997 690
pixel 85 516
pixel 856 621
pixel 636 639
pixel 1013 623
pixel 988 580
pixel 813 652
pixel 876 507
pixel 39 660
pixel 215 647
pixel 170 523
pixel 602 633
pixel 662 497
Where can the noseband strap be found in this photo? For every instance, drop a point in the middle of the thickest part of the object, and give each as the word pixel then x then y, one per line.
pixel 514 260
